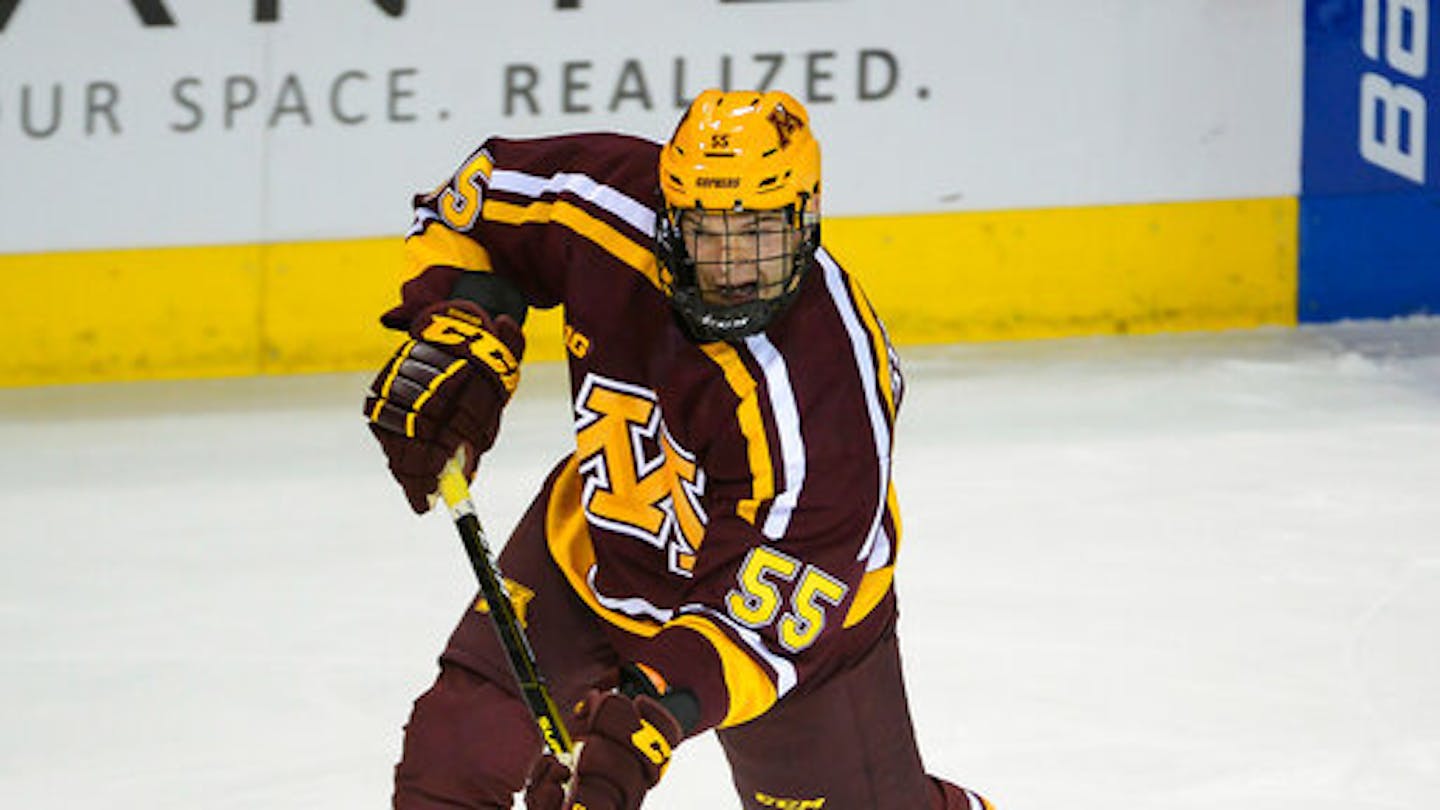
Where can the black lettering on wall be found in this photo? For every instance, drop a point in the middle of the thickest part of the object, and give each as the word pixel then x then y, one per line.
pixel 631 85
pixel 573 85
pixel 25 113
pixel 7 7
pixel 152 12
pixel 681 100
pixel 269 10
pixel 396 92
pixel 774 61
pixel 815 75
pixel 240 92
pixel 197 113
pixel 520 81
pixel 291 101
pixel 335 110
pixel 100 99
pixel 868 92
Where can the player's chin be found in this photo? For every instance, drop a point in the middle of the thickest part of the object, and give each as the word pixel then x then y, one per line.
pixel 733 295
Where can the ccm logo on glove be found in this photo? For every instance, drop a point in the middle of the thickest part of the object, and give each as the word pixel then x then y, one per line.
pixel 458 327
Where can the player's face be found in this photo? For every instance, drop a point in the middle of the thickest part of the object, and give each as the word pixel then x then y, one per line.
pixel 740 256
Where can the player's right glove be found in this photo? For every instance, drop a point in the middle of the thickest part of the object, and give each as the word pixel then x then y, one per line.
pixel 625 748
pixel 442 391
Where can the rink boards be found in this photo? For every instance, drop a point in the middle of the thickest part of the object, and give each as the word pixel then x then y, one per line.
pixel 229 199
pixel 306 307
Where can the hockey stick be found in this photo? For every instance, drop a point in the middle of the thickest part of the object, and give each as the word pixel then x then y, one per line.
pixel 456 493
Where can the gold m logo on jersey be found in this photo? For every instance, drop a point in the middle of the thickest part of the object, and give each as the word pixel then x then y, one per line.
pixel 637 480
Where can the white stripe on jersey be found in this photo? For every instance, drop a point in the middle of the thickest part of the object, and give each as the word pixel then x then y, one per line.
pixel 634 606
pixel 639 216
pixel 784 670
pixel 860 345
pixel 787 421
pixel 880 554
pixel 422 216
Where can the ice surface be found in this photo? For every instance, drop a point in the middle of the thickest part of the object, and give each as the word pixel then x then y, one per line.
pixel 1162 573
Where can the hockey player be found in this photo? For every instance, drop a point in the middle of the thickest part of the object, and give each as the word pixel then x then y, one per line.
pixel 718 551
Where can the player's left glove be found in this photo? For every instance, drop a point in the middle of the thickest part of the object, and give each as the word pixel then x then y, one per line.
pixel 443 391
pixel 626 745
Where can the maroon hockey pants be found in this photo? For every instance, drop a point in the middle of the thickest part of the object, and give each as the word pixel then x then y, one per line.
pixel 470 741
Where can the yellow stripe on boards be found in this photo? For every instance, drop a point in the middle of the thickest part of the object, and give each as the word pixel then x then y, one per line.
pixel 216 311
pixel 131 314
pixel 752 427
pixel 89 316
pixel 1004 275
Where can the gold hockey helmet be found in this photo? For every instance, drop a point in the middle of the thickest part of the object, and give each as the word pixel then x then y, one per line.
pixel 741 150
pixel 741 183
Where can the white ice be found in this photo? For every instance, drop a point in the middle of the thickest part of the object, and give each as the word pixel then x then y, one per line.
pixel 1178 572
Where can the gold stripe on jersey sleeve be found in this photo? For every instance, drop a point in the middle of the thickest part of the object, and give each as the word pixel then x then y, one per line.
pixel 752 427
pixel 877 341
pixel 640 257
pixel 568 536
pixel 438 245
pixel 875 584
pixel 892 503
pixel 751 691
pixel 873 587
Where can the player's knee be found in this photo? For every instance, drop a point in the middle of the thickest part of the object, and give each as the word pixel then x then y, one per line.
pixel 954 797
pixel 468 744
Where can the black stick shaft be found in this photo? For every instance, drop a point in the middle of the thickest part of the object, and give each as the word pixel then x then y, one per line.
pixel 512 637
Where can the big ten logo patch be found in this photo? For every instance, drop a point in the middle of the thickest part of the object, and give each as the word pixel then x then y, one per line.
pixel 767 800
pixel 637 480
pixel 575 341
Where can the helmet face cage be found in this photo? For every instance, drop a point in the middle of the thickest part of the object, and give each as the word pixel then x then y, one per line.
pixel 733 271
pixel 740 181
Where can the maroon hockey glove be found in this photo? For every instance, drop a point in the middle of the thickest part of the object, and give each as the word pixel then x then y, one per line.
pixel 443 391
pixel 626 745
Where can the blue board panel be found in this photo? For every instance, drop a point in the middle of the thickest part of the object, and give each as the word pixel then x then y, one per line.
pixel 1362 256
pixel 1370 191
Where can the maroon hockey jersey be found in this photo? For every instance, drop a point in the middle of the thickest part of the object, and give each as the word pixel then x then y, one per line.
pixel 728 510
